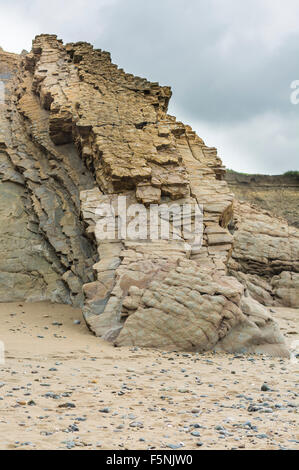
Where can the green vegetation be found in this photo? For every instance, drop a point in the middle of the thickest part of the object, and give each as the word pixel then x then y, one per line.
pixel 291 173
pixel 287 173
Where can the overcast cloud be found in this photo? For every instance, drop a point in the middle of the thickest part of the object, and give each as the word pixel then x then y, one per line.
pixel 230 63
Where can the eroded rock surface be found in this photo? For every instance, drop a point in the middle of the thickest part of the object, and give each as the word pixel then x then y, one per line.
pixel 265 256
pixel 46 254
pixel 77 132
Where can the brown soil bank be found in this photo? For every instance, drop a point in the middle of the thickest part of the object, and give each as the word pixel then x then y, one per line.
pixel 276 193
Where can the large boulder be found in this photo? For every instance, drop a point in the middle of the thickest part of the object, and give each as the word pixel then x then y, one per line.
pixel 192 310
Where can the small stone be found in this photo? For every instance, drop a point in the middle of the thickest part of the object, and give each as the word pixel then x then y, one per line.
pixel 70 444
pixel 73 428
pixel 105 410
pixel 265 388
pixel 174 446
pixel 219 428
pixel 136 424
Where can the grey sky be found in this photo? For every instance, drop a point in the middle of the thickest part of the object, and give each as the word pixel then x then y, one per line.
pixel 230 64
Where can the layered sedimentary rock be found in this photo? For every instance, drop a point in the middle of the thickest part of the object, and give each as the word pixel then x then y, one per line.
pixel 265 255
pixel 78 133
pixel 45 254
pixel 277 194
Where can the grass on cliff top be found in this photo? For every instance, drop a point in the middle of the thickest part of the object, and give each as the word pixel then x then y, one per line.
pixel 291 173
pixel 287 173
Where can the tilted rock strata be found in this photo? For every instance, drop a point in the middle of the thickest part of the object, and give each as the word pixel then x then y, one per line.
pixel 80 132
pixel 46 254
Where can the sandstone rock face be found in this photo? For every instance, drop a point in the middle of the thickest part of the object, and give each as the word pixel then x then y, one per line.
pixel 286 289
pixel 77 133
pixel 208 311
pixel 265 256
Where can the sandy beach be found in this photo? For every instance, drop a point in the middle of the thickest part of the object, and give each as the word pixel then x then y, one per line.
pixel 63 388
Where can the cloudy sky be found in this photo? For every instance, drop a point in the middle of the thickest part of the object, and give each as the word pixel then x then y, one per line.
pixel 230 63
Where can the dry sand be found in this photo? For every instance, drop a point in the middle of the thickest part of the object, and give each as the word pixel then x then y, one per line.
pixel 132 398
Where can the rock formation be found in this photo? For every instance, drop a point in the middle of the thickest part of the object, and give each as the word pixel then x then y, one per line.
pixel 265 256
pixel 277 194
pixel 76 133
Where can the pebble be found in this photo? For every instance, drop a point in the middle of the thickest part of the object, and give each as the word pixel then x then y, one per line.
pixel 69 444
pixel 67 405
pixel 195 433
pixel 265 388
pixel 136 424
pixel 174 446
pixel 104 410
pixel 73 428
